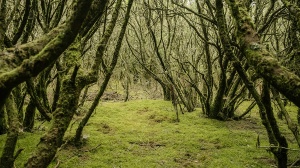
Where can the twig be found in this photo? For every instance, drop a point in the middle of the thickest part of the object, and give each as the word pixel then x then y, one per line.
pixel 57 164
pixel 295 162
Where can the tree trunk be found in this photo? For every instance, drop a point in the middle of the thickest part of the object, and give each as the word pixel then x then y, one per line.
pixel 111 67
pixel 62 117
pixel 7 158
pixel 280 153
pixel 264 114
pixel 28 122
pixel 291 125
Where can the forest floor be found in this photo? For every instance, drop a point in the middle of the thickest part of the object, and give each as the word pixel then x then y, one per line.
pixel 145 134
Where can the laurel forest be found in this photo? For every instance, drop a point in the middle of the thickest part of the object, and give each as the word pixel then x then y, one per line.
pixel 149 83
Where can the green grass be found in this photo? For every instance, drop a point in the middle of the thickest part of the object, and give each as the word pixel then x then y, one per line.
pixel 143 133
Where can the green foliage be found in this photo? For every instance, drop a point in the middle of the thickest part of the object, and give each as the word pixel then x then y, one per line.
pixel 143 133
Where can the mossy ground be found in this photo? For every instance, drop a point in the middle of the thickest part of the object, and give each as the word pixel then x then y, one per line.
pixel 144 133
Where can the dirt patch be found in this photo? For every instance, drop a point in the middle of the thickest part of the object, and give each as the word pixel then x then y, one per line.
pixel 244 124
pixel 150 144
pixel 266 160
pixel 158 118
pixel 187 160
pixel 104 128
pixel 208 145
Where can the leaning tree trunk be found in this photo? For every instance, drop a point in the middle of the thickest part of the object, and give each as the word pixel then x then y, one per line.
pixel 265 64
pixel 264 104
pixel 272 132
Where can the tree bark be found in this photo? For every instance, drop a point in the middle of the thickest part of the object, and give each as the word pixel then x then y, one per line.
pixel 7 158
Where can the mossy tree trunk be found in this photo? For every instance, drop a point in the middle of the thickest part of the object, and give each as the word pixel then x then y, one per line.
pixel 46 50
pixel 2 23
pixel 216 109
pixel 57 87
pixel 108 69
pixel 67 105
pixel 291 125
pixel 208 87
pixel 62 117
pixel 7 159
pixel 265 64
pixel 44 111
pixel 264 104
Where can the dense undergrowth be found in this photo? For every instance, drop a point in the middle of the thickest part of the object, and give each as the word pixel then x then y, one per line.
pixel 144 133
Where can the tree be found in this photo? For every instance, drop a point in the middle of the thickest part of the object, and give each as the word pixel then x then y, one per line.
pixel 29 59
pixel 108 69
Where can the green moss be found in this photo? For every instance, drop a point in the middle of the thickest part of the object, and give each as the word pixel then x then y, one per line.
pixel 126 135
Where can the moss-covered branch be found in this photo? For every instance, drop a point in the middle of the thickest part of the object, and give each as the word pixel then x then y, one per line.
pixel 265 64
pixel 46 54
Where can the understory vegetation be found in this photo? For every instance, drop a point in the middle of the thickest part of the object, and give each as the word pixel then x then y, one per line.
pixel 144 133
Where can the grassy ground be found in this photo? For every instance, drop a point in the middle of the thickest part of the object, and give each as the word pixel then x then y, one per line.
pixel 143 133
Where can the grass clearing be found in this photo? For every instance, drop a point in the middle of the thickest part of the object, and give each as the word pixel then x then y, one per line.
pixel 143 133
